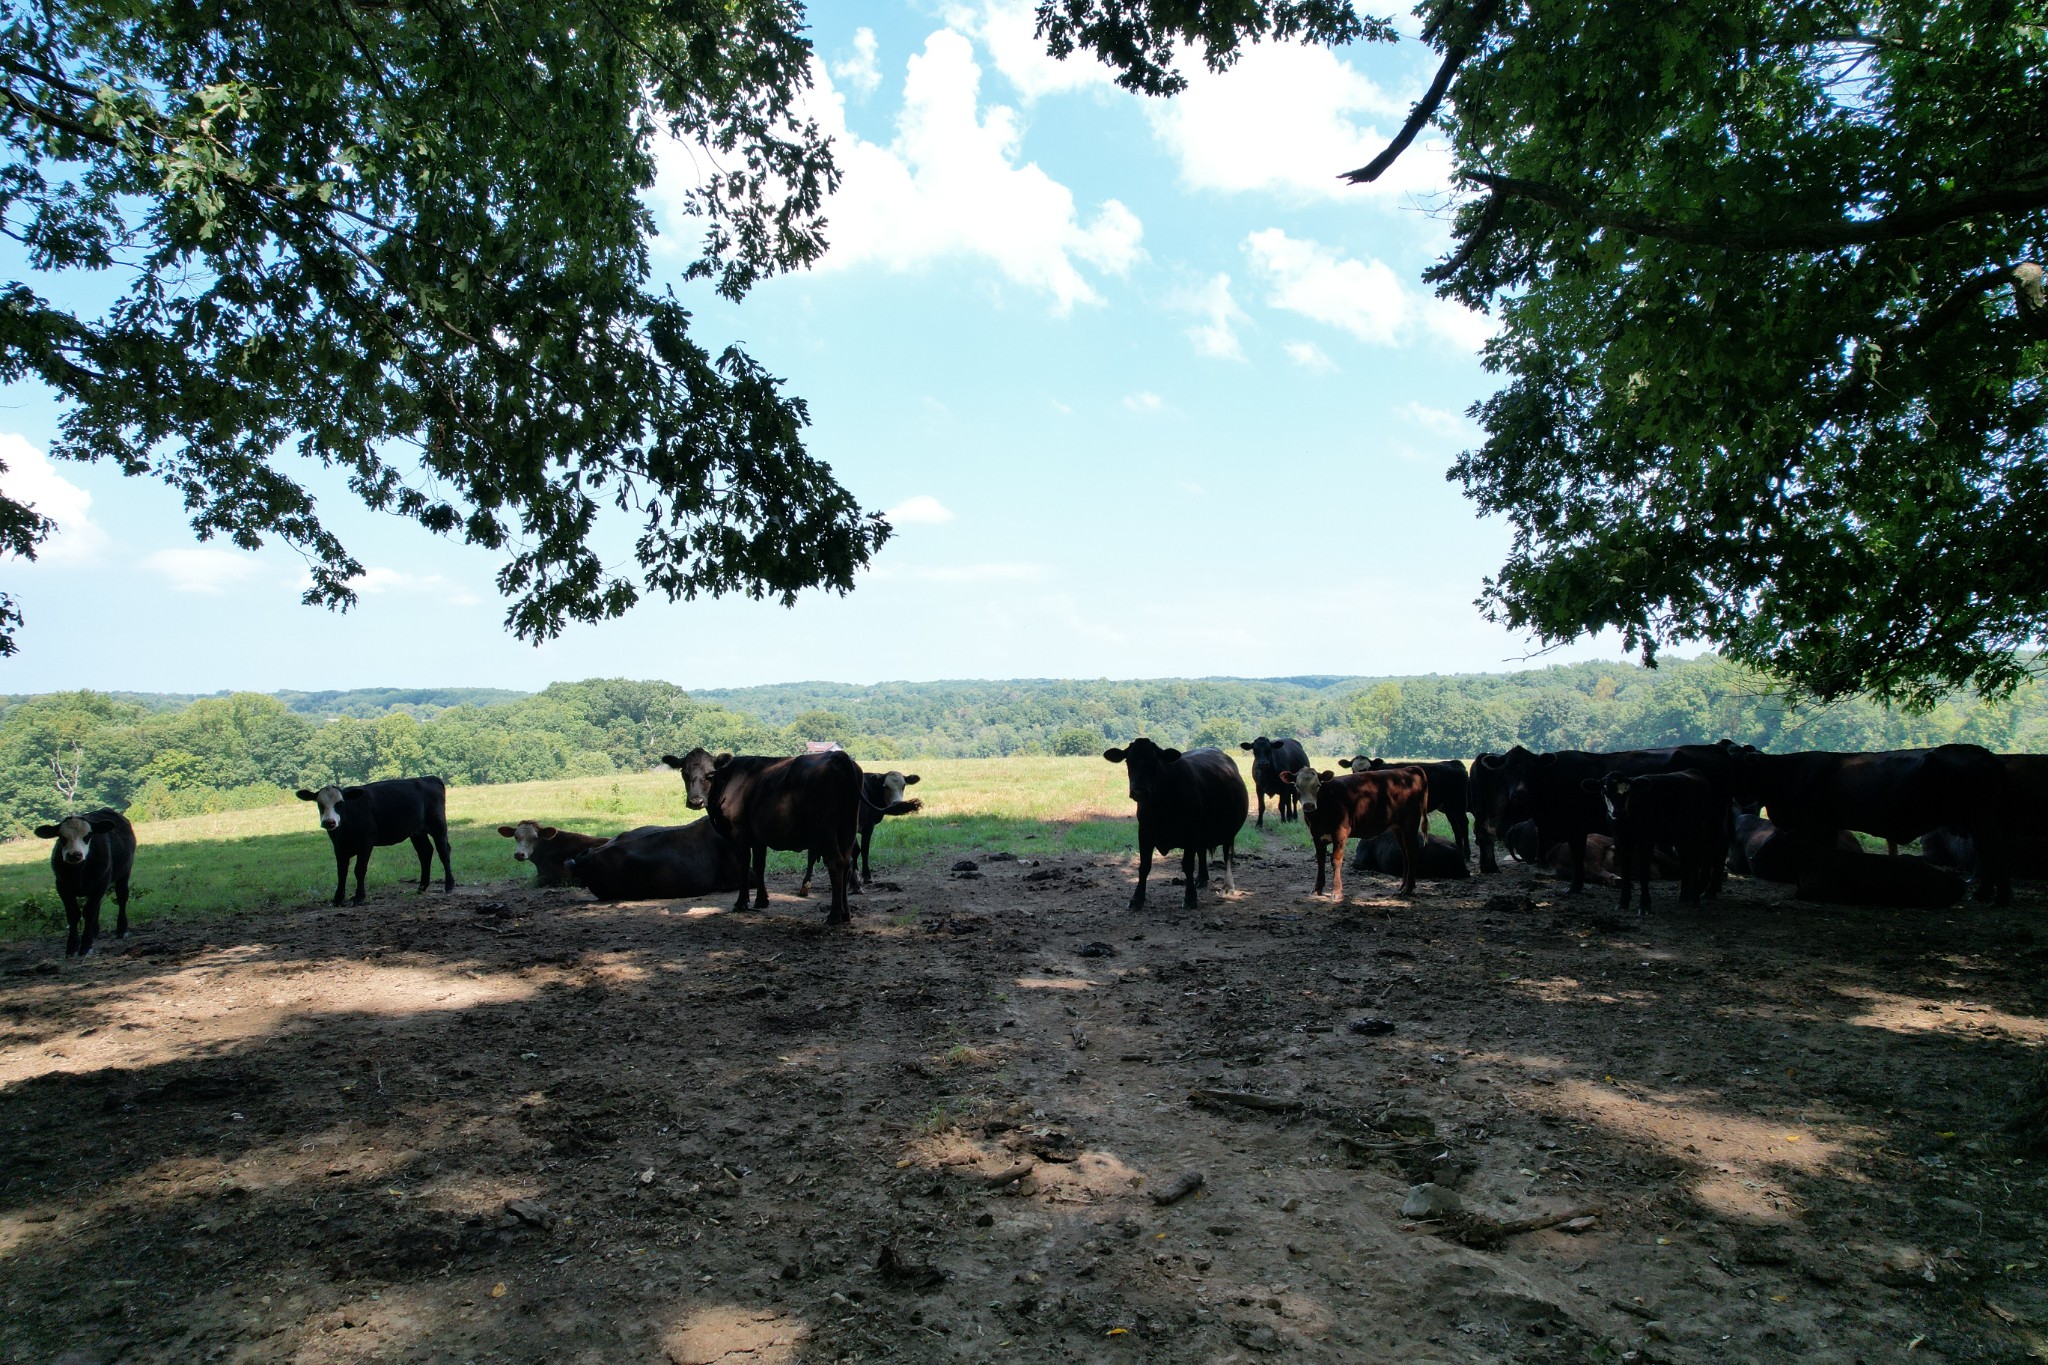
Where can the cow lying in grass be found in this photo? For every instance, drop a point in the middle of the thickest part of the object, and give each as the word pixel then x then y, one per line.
pixel 547 848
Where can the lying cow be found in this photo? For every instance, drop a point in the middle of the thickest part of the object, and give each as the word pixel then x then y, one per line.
pixel 1681 811
pixel 1193 802
pixel 359 819
pixel 93 852
pixel 881 794
pixel 806 804
pixel 1759 848
pixel 659 862
pixel 1270 758
pixel 1904 882
pixel 1597 865
pixel 547 848
pixel 1436 860
pixel 1448 792
pixel 1361 805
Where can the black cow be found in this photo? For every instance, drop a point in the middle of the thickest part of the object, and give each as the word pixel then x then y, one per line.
pixel 1758 848
pixel 806 804
pixel 1494 797
pixel 1552 790
pixel 93 852
pixel 359 819
pixel 1449 792
pixel 1435 859
pixel 881 794
pixel 1193 802
pixel 548 849
pixel 1270 758
pixel 1904 882
pixel 659 862
pixel 1896 795
pixel 1683 811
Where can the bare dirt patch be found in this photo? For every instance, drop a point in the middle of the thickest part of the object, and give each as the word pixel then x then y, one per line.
pixel 512 1125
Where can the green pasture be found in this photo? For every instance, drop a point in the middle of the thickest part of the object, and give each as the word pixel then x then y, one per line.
pixel 212 865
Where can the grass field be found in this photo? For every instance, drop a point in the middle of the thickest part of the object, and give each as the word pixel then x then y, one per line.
pixel 212 865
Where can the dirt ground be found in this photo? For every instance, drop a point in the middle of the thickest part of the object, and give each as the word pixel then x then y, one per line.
pixel 512 1125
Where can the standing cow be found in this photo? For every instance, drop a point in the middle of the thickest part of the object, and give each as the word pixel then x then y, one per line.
pixel 377 814
pixel 806 804
pixel 1193 802
pixel 1448 785
pixel 1270 758
pixel 881 794
pixel 1361 805
pixel 1682 811
pixel 93 852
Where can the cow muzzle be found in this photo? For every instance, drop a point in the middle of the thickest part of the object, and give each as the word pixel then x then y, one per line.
pixel 330 824
pixel 71 857
pixel 518 857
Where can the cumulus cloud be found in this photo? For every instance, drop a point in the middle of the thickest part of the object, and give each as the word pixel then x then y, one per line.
pixel 1216 332
pixel 1439 420
pixel 205 569
pixel 861 72
pixel 378 580
pixel 32 478
pixel 922 510
pixel 1363 297
pixel 1310 357
pixel 950 185
pixel 1290 118
pixel 1009 30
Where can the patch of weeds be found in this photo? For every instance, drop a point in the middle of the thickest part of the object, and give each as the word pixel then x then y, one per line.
pixel 29 916
pixel 937 1120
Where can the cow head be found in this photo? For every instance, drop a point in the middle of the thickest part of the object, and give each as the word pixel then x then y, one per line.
pixel 1613 791
pixel 1308 785
pixel 524 836
pixel 1362 763
pixel 1259 748
pixel 329 799
pixel 696 768
pixel 74 835
pixel 1143 761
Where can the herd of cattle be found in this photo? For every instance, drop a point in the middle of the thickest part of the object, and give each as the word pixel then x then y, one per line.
pixel 1691 812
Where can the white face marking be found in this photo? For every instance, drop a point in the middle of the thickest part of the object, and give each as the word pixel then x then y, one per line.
pixel 892 787
pixel 524 836
pixel 328 799
pixel 1307 783
pixel 74 836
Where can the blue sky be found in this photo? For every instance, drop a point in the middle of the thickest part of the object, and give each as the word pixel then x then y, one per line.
pixel 1148 391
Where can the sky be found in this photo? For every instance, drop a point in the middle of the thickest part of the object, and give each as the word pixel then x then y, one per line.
pixel 1146 390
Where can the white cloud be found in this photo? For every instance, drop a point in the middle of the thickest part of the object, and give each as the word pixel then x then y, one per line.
pixel 1009 29
pixel 1290 118
pixel 1438 420
pixel 1365 298
pixel 33 479
pixel 1061 408
pixel 1144 401
pixel 922 510
pixel 376 580
pixel 860 71
pixel 204 569
pixel 1216 334
pixel 949 185
pixel 1310 357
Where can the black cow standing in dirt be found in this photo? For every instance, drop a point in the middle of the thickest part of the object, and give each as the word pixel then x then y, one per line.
pixel 93 853
pixel 881 794
pixel 1193 802
pixel 1681 811
pixel 806 804
pixel 372 816
pixel 1448 792
pixel 1270 758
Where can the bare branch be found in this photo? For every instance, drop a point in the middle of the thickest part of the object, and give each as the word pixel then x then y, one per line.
pixel 1425 108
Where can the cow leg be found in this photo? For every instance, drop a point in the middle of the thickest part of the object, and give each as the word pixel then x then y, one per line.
pixel 867 867
pixel 121 906
pixel 1408 860
pixel 1188 860
pixel 1483 833
pixel 1459 819
pixel 810 863
pixel 1578 843
pixel 1230 866
pixel 1262 807
pixel 1322 854
pixel 362 871
pixel 71 917
pixel 441 847
pixel 743 858
pixel 89 940
pixel 1337 869
pixel 424 846
pixel 1144 871
pixel 1202 867
pixel 761 876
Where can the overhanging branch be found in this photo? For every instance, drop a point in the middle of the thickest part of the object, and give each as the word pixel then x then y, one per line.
pixel 1425 108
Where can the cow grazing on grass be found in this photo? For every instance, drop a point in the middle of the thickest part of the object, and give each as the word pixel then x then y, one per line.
pixel 1436 860
pixel 1904 882
pixel 659 862
pixel 1896 795
pixel 547 848
pixel 1193 802
pixel 881 794
pixel 360 819
pixel 94 852
pixel 806 804
pixel 1681 811
pixel 1270 758
pixel 1361 805
pixel 1449 788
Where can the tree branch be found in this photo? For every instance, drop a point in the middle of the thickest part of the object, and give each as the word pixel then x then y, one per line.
pixel 1822 236
pixel 1425 108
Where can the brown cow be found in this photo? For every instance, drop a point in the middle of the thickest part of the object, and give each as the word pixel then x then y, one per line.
pixel 1363 804
pixel 547 848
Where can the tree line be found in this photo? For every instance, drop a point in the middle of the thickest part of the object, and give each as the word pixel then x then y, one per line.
pixel 159 757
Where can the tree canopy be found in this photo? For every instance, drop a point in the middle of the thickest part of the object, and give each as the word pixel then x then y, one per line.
pixel 406 239
pixel 1769 282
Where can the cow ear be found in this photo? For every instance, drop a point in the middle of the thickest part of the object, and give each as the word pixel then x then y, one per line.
pixel 102 826
pixel 720 760
pixel 910 779
pixel 507 831
pixel 1169 755
pixel 1113 755
pixel 548 831
pixel 47 831
pixel 305 795
pixel 1287 779
pixel 1491 762
pixel 672 760
pixel 354 793
pixel 1588 784
pixel 1545 760
pixel 1328 776
pixel 1245 745
pixel 1343 762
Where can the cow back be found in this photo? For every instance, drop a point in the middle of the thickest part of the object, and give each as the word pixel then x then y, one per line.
pixel 1897 794
pixel 808 802
pixel 1196 801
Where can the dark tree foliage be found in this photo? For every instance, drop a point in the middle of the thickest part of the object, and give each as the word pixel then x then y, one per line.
pixel 1772 318
pixel 406 239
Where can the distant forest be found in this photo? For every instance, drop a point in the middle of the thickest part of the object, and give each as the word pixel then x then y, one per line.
pixel 161 756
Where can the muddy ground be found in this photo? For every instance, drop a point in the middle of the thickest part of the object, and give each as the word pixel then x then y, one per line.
pixel 512 1125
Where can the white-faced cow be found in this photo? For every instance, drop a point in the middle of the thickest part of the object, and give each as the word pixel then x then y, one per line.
pixel 378 814
pixel 1193 802
pixel 1361 805
pixel 1270 758
pixel 881 794
pixel 659 862
pixel 806 804
pixel 547 848
pixel 94 852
